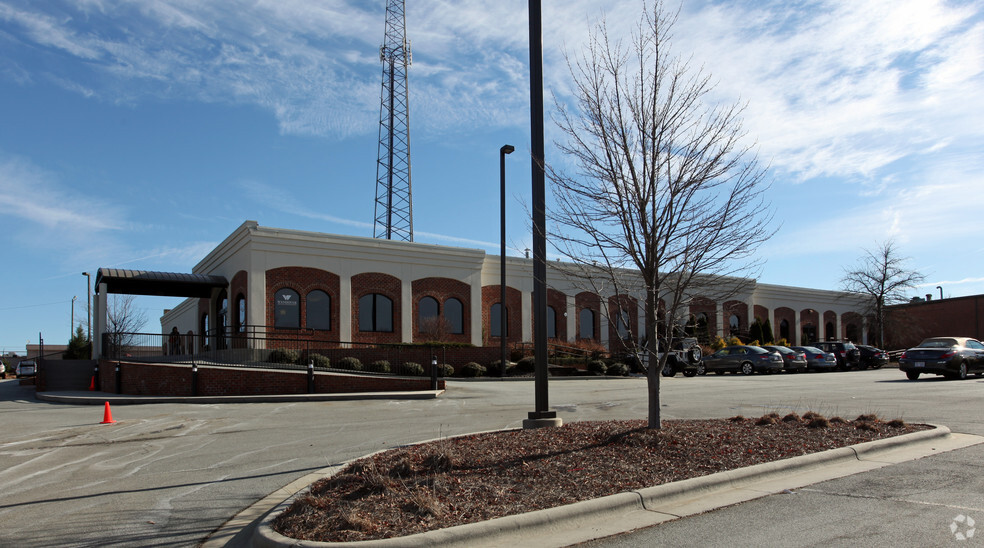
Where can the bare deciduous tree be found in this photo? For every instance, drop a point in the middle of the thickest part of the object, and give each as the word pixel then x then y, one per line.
pixel 123 321
pixel 882 276
pixel 667 196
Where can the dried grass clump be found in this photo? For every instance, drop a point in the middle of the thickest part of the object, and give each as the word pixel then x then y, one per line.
pixel 424 502
pixel 401 469
pixel 372 477
pixel 867 426
pixel 441 461
pixel 896 423
pixel 767 420
pixel 867 418
pixel 737 418
pixel 810 415
pixel 792 417
pixel 838 420
pixel 818 421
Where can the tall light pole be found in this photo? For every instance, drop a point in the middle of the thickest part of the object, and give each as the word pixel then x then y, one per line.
pixel 541 416
pixel 88 311
pixel 71 330
pixel 506 149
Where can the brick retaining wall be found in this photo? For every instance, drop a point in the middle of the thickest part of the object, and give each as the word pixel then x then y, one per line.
pixel 141 379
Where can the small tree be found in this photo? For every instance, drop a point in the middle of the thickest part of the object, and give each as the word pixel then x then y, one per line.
pixel 883 277
pixel 755 331
pixel 668 201
pixel 78 346
pixel 767 335
pixel 124 320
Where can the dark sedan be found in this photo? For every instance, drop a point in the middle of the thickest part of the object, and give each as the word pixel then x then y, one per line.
pixel 952 357
pixel 872 357
pixel 816 359
pixel 746 359
pixel 792 360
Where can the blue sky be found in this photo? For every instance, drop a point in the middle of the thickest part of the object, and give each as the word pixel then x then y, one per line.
pixel 138 134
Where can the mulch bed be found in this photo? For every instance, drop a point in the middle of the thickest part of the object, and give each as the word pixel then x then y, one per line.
pixel 484 476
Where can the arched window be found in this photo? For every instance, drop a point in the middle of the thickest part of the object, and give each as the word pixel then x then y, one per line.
pixel 735 324
pixel 622 325
pixel 240 314
pixel 203 331
pixel 428 312
pixel 318 310
pixel 586 324
pixel 551 323
pixel 829 331
pixel 286 309
pixel 809 333
pixel 375 313
pixel 852 332
pixel 454 315
pixel 222 320
pixel 495 318
pixel 784 330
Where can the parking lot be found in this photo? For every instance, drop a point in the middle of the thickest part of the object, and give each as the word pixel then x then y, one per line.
pixel 169 474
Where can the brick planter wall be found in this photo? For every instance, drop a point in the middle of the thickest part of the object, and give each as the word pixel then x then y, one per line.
pixel 142 379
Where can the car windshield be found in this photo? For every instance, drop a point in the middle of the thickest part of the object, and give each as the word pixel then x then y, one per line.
pixel 938 343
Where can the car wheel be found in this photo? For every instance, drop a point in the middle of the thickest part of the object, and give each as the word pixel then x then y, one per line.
pixel 694 355
pixel 962 372
pixel 747 368
pixel 913 375
pixel 668 370
pixel 877 366
pixel 689 372
pixel 702 370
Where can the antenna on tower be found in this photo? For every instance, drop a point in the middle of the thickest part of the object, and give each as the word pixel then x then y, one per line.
pixel 394 208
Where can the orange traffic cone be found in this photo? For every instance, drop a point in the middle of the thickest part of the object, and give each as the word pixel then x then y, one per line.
pixel 107 416
pixel 92 384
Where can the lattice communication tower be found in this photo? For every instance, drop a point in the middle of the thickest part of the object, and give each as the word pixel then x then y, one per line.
pixel 394 208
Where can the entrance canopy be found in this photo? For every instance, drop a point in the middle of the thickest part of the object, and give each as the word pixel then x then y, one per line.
pixel 161 284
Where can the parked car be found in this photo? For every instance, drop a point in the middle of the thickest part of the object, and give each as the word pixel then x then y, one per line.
pixel 746 359
pixel 684 357
pixel 952 357
pixel 3 370
pixel 26 368
pixel 872 357
pixel 848 356
pixel 792 360
pixel 816 359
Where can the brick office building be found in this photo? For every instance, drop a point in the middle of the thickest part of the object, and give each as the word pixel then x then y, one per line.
pixel 909 323
pixel 354 289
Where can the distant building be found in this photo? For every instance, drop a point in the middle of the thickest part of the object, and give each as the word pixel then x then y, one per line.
pixel 352 289
pixel 907 324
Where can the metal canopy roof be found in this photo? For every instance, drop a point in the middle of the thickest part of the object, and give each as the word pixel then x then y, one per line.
pixel 164 284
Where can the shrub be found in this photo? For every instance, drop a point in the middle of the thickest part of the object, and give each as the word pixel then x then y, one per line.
pixel 792 417
pixel 349 363
pixel 866 418
pixel 281 355
pixel 379 366
pixel 413 368
pixel 495 367
pixel 617 369
pixel 597 367
pixel 472 369
pixel 320 361
pixel 718 344
pixel 837 420
pixel 526 365
pixel 896 423
pixel 734 341
pixel 445 370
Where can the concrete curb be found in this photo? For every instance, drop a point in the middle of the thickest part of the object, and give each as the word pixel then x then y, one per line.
pixel 99 398
pixel 561 520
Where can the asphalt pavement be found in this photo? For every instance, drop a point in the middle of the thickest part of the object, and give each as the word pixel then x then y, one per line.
pixel 171 474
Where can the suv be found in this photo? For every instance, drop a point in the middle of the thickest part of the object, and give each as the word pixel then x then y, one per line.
pixel 26 368
pixel 684 357
pixel 848 356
